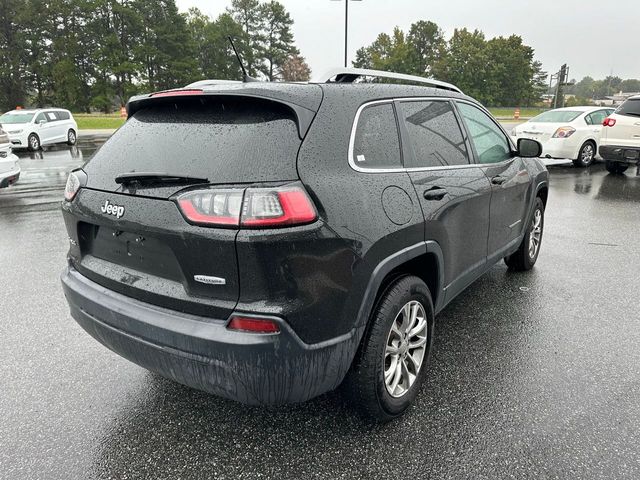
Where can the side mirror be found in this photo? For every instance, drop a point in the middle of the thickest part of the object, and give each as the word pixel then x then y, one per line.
pixel 528 148
pixel 42 122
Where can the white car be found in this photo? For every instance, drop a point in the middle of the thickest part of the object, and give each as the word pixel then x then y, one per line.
pixel 33 128
pixel 620 140
pixel 571 132
pixel 9 166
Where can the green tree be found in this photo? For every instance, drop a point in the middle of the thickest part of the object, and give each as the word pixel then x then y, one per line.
pixel 249 15
pixel 166 50
pixel 426 46
pixel 12 50
pixel 277 39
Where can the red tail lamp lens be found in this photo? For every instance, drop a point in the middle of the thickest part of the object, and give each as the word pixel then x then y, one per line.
pixel 609 122
pixel 252 208
pixel 254 325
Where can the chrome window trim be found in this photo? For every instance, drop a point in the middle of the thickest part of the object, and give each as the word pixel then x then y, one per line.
pixel 352 138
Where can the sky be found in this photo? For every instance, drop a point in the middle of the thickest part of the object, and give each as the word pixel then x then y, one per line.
pixel 594 37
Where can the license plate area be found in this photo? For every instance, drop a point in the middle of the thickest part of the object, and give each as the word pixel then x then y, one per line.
pixel 631 154
pixel 136 251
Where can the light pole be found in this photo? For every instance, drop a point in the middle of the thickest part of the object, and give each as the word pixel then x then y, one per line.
pixel 346 27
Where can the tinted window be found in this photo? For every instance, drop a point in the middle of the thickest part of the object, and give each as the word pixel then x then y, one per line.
pixel 63 115
pixel 435 134
pixel 224 139
pixel 41 118
pixel 488 139
pixel 376 143
pixel 630 107
pixel 51 116
pixel 596 118
pixel 557 116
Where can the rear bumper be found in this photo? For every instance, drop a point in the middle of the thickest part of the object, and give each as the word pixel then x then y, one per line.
pixel 12 176
pixel 201 353
pixel 615 153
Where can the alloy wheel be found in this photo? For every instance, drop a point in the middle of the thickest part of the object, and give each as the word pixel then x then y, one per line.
pixel 535 236
pixel 405 349
pixel 587 154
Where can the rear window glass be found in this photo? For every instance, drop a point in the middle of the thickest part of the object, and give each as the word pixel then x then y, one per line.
pixel 435 134
pixel 224 139
pixel 376 143
pixel 630 107
pixel 63 115
pixel 557 116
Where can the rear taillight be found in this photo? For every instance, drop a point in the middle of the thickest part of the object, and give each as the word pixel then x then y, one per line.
pixel 564 132
pixel 609 122
pixel 251 208
pixel 254 325
pixel 72 187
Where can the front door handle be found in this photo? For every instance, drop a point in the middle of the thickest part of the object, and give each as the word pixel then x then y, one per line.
pixel 498 180
pixel 435 193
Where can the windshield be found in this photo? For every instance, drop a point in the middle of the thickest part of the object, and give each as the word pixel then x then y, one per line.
pixel 630 107
pixel 557 116
pixel 16 118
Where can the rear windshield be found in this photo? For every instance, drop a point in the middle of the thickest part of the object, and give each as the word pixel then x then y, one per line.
pixel 224 139
pixel 630 107
pixel 557 116
pixel 9 118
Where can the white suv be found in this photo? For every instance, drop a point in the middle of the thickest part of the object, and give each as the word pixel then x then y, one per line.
pixel 34 128
pixel 620 138
pixel 9 167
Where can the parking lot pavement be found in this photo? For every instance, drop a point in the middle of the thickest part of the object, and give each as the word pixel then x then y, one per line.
pixel 533 375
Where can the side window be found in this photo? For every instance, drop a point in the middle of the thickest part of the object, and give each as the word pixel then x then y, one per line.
pixel 596 118
pixel 435 134
pixel 62 115
pixel 41 118
pixel 376 143
pixel 490 142
pixel 51 116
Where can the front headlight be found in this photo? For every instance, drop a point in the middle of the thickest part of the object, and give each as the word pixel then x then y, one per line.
pixel 15 132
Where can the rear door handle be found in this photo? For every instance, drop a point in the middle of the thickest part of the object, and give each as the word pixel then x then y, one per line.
pixel 498 180
pixel 435 193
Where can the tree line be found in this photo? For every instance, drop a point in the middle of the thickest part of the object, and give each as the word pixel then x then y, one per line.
pixel 589 89
pixel 498 71
pixel 95 54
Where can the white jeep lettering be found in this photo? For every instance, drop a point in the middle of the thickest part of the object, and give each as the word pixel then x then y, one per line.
pixel 111 209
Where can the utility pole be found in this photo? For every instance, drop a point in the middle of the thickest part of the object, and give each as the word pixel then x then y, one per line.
pixel 346 28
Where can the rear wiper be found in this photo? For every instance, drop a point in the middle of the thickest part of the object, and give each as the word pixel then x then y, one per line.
pixel 157 177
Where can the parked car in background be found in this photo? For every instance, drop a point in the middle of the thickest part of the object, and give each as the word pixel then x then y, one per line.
pixel 267 241
pixel 620 141
pixel 9 166
pixel 34 128
pixel 571 132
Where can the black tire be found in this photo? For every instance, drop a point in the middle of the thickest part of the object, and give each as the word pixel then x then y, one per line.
pixel 72 137
pixel 586 155
pixel 33 142
pixel 365 384
pixel 525 257
pixel 616 167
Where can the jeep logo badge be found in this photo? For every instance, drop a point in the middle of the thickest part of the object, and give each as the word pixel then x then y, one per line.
pixel 111 209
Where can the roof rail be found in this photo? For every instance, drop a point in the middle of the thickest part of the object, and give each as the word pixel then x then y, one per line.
pixel 349 75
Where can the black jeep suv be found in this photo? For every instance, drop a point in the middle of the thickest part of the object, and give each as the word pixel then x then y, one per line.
pixel 269 242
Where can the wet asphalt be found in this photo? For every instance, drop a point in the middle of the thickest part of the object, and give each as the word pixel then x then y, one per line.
pixel 533 375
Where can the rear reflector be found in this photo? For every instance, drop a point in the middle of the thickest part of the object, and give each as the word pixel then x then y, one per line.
pixel 274 207
pixel 255 325
pixel 609 122
pixel 177 93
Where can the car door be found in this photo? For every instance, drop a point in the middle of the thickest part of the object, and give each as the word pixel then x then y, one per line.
pixel 57 126
pixel 510 179
pixel 594 121
pixel 454 194
pixel 44 128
